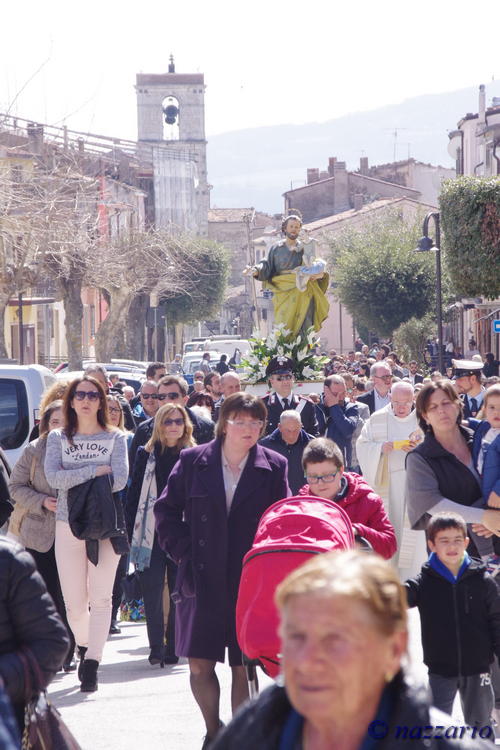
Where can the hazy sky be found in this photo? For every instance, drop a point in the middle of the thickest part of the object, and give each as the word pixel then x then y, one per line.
pixel 265 63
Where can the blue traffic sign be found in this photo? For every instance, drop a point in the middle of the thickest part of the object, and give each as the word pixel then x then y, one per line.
pixel 496 326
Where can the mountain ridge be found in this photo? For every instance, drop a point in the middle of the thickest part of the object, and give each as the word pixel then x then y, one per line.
pixel 255 166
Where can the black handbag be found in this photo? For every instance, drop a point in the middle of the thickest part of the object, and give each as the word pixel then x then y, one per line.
pixel 131 586
pixel 44 728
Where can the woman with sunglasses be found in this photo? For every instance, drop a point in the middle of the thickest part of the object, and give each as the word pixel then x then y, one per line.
pixel 87 447
pixel 206 520
pixel 172 431
pixel 323 465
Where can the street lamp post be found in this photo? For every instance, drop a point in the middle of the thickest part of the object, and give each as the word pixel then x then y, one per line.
pixel 426 244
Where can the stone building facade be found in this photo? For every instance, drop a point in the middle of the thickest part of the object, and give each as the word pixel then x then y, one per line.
pixel 337 189
pixel 236 229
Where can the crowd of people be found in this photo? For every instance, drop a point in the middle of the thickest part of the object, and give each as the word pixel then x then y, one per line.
pixel 172 482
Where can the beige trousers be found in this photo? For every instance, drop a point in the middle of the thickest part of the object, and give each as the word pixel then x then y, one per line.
pixel 84 584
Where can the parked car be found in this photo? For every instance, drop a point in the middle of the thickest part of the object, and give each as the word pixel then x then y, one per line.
pixel 113 366
pixel 228 345
pixel 125 364
pixel 193 346
pixel 191 362
pixel 21 389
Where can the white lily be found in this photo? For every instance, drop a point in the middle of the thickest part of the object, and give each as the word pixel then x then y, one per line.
pixel 309 372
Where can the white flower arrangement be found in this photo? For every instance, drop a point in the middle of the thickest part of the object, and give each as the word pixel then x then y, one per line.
pixel 307 365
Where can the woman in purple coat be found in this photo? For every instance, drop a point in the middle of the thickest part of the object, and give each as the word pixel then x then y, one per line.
pixel 206 519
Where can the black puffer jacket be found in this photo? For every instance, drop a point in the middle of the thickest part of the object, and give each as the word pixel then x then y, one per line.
pixel 27 618
pixel 259 724
pixel 460 621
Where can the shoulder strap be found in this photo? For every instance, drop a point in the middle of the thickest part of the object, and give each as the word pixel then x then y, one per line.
pixel 301 404
pixel 33 467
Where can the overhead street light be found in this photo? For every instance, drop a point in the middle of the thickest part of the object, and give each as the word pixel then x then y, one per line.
pixel 426 244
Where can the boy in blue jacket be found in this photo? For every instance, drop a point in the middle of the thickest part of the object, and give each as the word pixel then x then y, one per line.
pixel 459 609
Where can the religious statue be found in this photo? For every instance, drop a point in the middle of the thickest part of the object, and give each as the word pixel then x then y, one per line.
pixel 297 279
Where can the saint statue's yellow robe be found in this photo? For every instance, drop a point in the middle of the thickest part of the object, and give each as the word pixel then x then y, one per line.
pixel 297 310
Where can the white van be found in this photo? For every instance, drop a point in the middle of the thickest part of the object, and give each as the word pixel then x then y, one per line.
pixel 228 346
pixel 21 388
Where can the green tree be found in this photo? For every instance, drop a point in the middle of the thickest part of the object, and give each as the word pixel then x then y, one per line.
pixel 187 272
pixel 202 292
pixel 378 275
pixel 411 337
pixel 470 212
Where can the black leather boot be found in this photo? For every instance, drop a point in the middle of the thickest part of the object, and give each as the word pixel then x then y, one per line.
pixel 82 650
pixel 89 676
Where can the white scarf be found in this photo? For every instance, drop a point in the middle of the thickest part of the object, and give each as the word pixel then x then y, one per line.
pixel 144 524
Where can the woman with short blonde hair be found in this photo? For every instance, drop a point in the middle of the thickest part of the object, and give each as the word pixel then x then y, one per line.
pixel 344 641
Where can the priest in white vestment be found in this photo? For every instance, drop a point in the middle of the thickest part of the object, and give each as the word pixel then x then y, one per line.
pixel 381 448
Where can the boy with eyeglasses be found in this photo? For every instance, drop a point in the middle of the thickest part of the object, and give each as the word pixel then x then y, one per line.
pixel 279 373
pixel 323 466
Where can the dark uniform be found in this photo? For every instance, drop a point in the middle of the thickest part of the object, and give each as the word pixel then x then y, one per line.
pixel 301 404
pixel 306 408
pixel 463 368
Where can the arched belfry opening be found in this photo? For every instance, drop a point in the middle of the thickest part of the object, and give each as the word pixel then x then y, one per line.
pixel 171 118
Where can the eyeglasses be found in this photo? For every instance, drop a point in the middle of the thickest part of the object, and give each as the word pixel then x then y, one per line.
pixel 91 395
pixel 317 478
pixel 145 396
pixel 169 422
pixel 114 410
pixel 256 424
pixel 279 378
pixel 172 396
pixel 386 378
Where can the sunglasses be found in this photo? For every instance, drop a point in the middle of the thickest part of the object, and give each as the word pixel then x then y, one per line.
pixel 284 377
pixel 169 422
pixel 91 395
pixel 145 396
pixel 172 396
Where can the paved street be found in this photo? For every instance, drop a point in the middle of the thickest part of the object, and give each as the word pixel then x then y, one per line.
pixel 138 706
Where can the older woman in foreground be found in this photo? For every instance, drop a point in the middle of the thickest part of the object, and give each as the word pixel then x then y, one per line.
pixel 344 636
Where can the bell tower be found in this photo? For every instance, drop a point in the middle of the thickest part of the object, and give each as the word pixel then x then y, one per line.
pixel 171 130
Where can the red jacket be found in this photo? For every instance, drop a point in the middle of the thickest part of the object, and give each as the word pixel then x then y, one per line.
pixel 367 513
